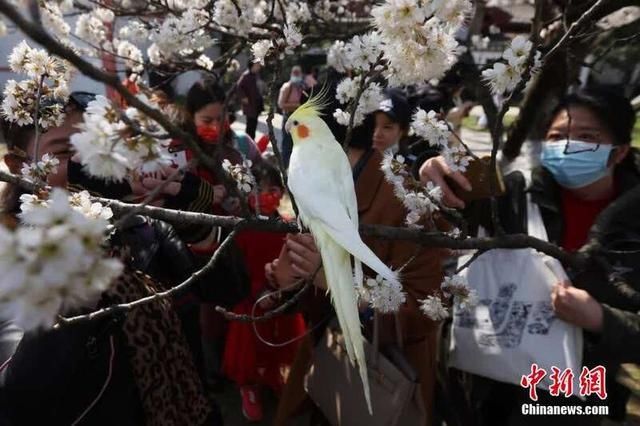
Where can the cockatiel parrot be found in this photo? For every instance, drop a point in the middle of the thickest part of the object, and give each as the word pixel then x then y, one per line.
pixel 321 180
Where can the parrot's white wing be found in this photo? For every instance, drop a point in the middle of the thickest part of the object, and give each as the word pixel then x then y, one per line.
pixel 329 197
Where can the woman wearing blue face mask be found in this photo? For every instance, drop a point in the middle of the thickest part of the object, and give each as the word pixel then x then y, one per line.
pixel 587 190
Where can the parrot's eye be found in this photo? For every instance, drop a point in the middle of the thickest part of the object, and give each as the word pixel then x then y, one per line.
pixel 295 122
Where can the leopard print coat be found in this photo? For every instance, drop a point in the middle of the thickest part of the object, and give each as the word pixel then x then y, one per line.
pixel 163 368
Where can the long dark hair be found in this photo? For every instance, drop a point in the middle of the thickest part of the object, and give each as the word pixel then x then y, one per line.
pixel 201 94
pixel 612 109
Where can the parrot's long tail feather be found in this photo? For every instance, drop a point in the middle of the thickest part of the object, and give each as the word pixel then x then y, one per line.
pixel 339 275
pixel 353 244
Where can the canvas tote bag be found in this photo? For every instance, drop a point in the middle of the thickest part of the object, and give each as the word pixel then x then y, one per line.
pixel 514 325
pixel 334 384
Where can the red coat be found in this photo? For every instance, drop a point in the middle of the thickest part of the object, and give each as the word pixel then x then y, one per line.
pixel 247 360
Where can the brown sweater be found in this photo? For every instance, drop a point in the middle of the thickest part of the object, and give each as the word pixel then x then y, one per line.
pixel 377 204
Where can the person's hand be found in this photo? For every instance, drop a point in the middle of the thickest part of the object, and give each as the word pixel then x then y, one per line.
pixel 577 307
pixel 305 257
pixel 434 170
pixel 270 272
pixel 151 181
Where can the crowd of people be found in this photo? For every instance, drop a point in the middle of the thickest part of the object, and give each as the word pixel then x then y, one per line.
pixel 161 363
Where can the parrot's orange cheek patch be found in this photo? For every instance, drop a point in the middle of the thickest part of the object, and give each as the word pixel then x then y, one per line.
pixel 303 131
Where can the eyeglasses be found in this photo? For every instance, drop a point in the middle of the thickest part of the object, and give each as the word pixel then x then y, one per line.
pixel 568 150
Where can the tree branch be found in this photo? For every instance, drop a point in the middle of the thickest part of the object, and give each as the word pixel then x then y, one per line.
pixel 124 307
pixel 40 36
pixel 427 239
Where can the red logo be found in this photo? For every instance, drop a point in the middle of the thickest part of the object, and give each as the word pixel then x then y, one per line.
pixel 591 381
pixel 532 379
pixel 562 382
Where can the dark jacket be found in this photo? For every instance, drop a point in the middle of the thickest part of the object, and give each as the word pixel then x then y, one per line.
pixel 614 238
pixel 248 88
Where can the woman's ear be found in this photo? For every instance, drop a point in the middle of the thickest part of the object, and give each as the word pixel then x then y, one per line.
pixel 620 153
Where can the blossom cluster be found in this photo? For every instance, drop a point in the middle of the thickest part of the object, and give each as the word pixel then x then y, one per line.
pixel 241 174
pixel 52 14
pixel 48 76
pixel 418 37
pixel 505 75
pixel 369 101
pixel 436 132
pixel 412 42
pixel 382 295
pixel 110 145
pixel 180 36
pixel 53 262
pixel 453 290
pixel 39 170
pixel 93 27
pixel 419 200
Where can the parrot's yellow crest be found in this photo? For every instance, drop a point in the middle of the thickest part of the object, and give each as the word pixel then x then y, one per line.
pixel 303 119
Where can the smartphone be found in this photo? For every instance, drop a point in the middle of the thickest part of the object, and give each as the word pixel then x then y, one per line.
pixel 178 156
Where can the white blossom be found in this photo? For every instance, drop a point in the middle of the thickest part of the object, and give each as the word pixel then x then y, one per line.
pixel 382 295
pixel 241 174
pixel 260 49
pixel 109 148
pixel 226 14
pixel 455 233
pixel 457 158
pixel 292 37
pixel 53 20
pixel 131 55
pixel 81 202
pixel 337 56
pixel 347 89
pixel 433 307
pixel 504 77
pixel 342 117
pixel 457 287
pixel 298 11
pixel 427 126
pixel 47 75
pixel 134 31
pixel 105 15
pixel 38 172
pixel 418 38
pixel 180 36
pixel 205 62
pixel 53 262
pixel 92 28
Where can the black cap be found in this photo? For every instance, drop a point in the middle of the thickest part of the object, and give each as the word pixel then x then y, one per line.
pixel 396 106
pixel 82 99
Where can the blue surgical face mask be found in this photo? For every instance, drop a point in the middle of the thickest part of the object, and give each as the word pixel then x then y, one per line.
pixel 575 164
pixel 296 79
